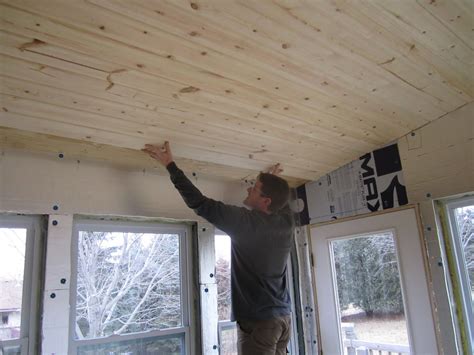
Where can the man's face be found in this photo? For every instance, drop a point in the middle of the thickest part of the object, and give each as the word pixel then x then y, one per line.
pixel 255 198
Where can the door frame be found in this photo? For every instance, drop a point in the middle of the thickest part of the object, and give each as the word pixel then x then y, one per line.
pixel 423 247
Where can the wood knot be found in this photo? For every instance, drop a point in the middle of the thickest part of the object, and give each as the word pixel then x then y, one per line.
pixel 34 43
pixel 189 89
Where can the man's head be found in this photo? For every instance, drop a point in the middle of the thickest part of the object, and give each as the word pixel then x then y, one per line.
pixel 269 194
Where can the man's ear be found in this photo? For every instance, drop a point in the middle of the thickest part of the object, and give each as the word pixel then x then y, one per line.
pixel 267 202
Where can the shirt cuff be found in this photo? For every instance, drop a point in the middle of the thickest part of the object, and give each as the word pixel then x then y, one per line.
pixel 172 167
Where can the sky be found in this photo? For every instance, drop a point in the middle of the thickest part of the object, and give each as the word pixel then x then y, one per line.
pixel 12 253
pixel 222 245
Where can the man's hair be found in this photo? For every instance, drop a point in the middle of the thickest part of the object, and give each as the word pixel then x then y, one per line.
pixel 275 188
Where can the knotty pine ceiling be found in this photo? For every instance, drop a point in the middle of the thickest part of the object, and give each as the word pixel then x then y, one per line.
pixel 235 86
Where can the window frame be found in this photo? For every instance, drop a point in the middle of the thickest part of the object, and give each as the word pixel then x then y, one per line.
pixel 457 252
pixel 183 231
pixel 32 281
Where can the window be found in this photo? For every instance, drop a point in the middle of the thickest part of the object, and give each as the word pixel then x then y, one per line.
pixel 129 291
pixel 369 292
pixel 461 221
pixel 228 329
pixel 20 255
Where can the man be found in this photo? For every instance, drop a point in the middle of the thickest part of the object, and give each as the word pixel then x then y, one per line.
pixel 261 240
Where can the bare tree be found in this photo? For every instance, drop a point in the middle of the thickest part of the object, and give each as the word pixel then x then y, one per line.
pixel 127 282
pixel 223 288
pixel 465 224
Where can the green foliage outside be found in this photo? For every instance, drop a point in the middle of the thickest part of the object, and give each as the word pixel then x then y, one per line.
pixel 367 274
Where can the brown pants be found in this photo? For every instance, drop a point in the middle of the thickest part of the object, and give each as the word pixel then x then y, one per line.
pixel 263 337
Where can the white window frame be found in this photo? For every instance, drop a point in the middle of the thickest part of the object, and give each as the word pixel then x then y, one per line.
pixel 32 282
pixel 185 268
pixel 451 206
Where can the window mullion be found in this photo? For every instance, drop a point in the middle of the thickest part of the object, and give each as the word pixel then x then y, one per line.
pixel 56 310
pixel 208 289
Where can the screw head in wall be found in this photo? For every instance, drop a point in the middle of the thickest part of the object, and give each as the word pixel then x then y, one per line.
pixel 55 223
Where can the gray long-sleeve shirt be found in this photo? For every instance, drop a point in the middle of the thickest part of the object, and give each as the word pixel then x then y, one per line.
pixel 260 246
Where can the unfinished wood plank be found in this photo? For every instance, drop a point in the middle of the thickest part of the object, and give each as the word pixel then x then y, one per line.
pixel 241 83
pixel 164 118
pixel 191 73
pixel 130 159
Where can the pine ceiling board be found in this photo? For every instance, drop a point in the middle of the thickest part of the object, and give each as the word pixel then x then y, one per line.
pixel 227 104
pixel 344 53
pixel 24 122
pixel 333 108
pixel 54 76
pixel 164 116
pixel 167 12
pixel 254 112
pixel 92 105
pixel 343 92
pixel 427 40
pixel 372 126
pixel 456 15
pixel 135 135
pixel 72 80
pixel 308 84
pixel 181 150
pixel 123 111
pixel 366 134
pixel 413 18
pixel 10 45
pixel 381 46
pixel 246 45
pixel 11 139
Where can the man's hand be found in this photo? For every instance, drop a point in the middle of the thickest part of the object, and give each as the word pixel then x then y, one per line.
pixel 275 169
pixel 162 154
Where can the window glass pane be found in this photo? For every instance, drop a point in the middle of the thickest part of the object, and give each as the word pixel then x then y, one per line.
pixel 127 283
pixel 465 227
pixel 222 245
pixel 12 268
pixel 228 339
pixel 369 291
pixel 10 350
pixel 144 346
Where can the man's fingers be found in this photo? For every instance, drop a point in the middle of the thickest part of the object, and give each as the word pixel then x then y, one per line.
pixel 275 169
